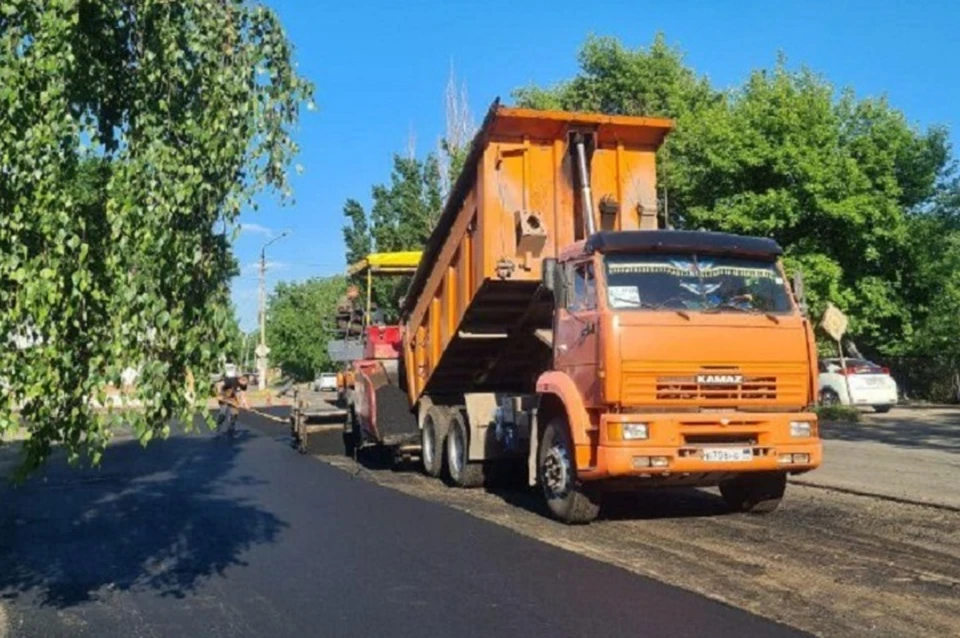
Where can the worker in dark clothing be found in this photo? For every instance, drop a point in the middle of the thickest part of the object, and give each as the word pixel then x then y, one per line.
pixel 232 397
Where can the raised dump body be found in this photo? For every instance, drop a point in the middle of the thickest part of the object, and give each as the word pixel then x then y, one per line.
pixel 477 318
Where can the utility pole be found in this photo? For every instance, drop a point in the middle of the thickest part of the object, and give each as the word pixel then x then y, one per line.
pixel 262 350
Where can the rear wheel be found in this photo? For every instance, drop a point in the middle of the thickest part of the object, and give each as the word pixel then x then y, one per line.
pixel 463 473
pixel 568 499
pixel 433 437
pixel 882 409
pixel 829 397
pixel 755 493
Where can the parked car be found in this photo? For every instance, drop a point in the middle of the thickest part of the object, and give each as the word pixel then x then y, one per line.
pixel 325 382
pixel 861 383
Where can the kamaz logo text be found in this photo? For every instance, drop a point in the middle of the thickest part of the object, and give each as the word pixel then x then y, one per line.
pixel 719 379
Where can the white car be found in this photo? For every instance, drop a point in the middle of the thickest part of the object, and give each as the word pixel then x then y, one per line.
pixel 862 383
pixel 326 382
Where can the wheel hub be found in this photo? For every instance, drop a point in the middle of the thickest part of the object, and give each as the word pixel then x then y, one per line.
pixel 556 471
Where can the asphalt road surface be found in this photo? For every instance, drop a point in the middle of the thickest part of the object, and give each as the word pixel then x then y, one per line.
pixel 847 561
pixel 207 537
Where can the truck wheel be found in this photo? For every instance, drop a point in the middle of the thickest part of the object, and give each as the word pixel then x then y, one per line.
pixel 433 437
pixel 568 499
pixel 463 473
pixel 882 409
pixel 755 493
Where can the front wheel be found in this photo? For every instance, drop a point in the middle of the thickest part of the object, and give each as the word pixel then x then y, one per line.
pixel 755 493
pixel 569 500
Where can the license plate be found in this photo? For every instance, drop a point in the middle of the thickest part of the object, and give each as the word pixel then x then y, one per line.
pixel 873 381
pixel 728 455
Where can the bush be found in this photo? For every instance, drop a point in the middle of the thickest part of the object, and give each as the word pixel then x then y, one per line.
pixel 838 413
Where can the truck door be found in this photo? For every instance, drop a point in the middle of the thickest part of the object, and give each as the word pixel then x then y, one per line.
pixel 576 342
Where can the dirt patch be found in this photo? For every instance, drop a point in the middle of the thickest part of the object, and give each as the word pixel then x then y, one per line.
pixel 830 563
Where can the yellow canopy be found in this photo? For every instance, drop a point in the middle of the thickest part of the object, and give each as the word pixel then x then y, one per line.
pixel 401 263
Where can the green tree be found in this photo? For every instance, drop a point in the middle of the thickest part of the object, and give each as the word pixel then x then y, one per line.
pixel 356 234
pixel 300 323
pixel 132 132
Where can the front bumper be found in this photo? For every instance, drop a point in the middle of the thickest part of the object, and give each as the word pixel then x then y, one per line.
pixel 678 442
pixel 874 397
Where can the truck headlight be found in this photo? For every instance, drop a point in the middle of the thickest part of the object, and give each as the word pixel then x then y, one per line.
pixel 633 431
pixel 801 429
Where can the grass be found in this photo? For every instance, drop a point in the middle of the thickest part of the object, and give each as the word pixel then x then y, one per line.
pixel 838 413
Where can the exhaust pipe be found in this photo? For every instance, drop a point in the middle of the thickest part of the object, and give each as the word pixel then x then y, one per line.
pixel 585 186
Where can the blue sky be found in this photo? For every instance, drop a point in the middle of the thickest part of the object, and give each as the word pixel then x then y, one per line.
pixel 380 68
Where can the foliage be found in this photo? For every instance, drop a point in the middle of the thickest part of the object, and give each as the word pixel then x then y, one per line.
pixel 837 413
pixel 132 132
pixel 356 234
pixel 858 197
pixel 300 322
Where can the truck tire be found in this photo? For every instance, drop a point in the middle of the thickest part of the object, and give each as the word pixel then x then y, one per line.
pixel 759 493
pixel 569 500
pixel 463 473
pixel 433 439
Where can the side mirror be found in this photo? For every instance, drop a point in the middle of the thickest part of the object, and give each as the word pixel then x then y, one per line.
pixel 799 293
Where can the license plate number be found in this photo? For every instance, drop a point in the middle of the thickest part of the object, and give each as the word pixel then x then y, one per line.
pixel 728 455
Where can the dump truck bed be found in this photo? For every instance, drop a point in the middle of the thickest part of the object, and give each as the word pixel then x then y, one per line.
pixel 475 314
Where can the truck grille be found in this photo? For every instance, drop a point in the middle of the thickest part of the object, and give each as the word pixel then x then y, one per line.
pixel 726 387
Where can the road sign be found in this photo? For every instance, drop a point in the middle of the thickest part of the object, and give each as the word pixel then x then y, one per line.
pixel 262 350
pixel 834 322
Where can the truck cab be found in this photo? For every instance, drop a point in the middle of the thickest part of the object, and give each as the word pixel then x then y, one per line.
pixel 679 358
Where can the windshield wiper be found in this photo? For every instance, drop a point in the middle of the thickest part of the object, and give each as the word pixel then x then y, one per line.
pixel 680 311
pixel 753 311
pixel 726 305
pixel 646 305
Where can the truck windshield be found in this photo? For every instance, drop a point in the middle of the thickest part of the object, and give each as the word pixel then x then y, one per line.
pixel 694 282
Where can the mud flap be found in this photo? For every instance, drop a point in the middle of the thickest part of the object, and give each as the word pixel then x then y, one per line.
pixel 395 422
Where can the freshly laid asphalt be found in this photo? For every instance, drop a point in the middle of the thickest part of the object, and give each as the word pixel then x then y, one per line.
pixel 207 537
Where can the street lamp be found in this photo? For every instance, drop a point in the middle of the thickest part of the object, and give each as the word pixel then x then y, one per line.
pixel 262 350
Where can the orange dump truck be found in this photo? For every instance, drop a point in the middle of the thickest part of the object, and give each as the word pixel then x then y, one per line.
pixel 551 323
